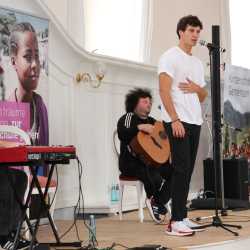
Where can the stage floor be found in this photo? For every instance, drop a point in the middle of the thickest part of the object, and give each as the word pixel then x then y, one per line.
pixel 131 233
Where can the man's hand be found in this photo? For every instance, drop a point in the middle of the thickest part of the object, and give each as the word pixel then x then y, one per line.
pixel 9 144
pixel 146 128
pixel 189 87
pixel 178 129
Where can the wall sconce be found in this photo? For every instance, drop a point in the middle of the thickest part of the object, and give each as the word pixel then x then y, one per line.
pixel 85 77
pixel 100 70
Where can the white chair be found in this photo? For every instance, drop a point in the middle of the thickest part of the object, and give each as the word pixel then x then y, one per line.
pixel 129 181
pixel 42 180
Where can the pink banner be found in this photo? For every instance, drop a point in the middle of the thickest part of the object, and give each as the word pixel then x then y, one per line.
pixel 14 114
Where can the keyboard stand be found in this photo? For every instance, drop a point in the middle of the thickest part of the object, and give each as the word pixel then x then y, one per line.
pixel 33 166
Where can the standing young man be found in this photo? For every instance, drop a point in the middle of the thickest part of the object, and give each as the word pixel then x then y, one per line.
pixel 181 79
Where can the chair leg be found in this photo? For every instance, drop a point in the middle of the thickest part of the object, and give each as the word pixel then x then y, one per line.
pixel 26 228
pixel 52 208
pixel 169 208
pixel 139 188
pixel 121 189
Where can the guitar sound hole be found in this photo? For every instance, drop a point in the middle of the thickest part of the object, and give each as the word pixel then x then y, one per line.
pixel 163 135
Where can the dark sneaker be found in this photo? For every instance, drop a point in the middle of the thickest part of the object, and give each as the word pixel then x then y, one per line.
pixel 162 209
pixel 155 210
pixel 9 244
pixel 22 244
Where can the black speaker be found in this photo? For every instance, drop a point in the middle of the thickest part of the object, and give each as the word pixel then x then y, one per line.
pixel 235 178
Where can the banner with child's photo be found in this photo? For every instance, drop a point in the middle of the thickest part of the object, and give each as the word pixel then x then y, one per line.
pixel 237 112
pixel 24 43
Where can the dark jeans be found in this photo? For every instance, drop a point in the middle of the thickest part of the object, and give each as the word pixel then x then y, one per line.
pixel 156 181
pixel 183 152
pixel 10 211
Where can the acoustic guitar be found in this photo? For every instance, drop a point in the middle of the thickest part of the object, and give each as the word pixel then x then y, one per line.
pixel 153 149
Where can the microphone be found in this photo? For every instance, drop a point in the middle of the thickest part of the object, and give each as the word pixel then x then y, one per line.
pixel 238 129
pixel 211 46
pixel 233 128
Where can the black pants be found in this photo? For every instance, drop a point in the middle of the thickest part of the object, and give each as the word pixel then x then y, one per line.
pixel 183 152
pixel 10 211
pixel 156 180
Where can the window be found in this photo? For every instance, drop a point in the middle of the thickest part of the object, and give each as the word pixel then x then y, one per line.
pixel 240 35
pixel 115 28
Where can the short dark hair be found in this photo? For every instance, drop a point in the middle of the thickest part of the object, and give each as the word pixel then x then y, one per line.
pixel 133 96
pixel 188 20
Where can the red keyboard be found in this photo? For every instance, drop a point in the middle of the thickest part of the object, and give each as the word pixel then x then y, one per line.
pixel 24 154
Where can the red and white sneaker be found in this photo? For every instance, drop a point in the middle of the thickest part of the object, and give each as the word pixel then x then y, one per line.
pixel 178 228
pixel 192 225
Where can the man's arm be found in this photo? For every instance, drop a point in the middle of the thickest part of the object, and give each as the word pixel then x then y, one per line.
pixel 165 88
pixel 191 87
pixel 202 94
pixel 128 128
pixel 8 144
pixel 165 83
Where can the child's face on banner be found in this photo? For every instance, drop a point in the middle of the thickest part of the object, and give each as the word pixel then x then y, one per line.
pixel 26 61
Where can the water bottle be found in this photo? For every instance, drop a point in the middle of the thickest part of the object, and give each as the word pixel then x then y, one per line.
pixel 117 193
pixel 113 193
pixel 92 229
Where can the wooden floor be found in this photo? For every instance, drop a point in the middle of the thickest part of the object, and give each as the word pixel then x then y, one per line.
pixel 130 232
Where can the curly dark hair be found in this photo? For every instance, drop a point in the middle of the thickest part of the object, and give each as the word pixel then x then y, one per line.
pixel 188 20
pixel 133 96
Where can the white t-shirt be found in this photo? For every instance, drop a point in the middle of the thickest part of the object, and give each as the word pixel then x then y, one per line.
pixel 179 65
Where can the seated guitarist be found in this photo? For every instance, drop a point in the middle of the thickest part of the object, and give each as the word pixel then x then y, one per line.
pixel 156 180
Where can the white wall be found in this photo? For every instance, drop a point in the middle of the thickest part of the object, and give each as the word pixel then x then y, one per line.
pixel 84 116
pixel 166 14
pixel 89 117
pixel 70 14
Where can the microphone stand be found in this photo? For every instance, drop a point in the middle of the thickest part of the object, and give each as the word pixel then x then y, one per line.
pixel 214 54
pixel 223 211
